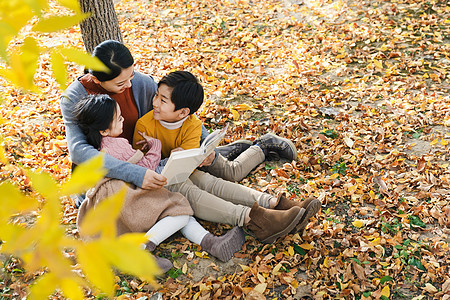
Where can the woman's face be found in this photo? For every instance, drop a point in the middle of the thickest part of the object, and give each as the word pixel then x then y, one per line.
pixel 120 83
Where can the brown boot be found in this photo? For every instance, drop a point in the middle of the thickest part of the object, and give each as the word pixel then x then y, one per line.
pixel 311 205
pixel 269 224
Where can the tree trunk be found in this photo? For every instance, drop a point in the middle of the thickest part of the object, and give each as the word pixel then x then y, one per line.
pixel 101 26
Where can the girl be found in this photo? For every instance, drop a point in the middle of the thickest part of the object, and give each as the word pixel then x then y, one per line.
pixel 101 121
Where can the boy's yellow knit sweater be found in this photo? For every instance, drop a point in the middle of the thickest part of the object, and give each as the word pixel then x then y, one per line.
pixel 187 136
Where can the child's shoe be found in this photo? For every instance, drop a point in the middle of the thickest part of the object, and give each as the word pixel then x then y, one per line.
pixel 163 263
pixel 270 224
pixel 311 206
pixel 223 247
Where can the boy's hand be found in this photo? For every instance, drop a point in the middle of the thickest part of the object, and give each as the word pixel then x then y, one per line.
pixel 153 180
pixel 208 161
pixel 177 149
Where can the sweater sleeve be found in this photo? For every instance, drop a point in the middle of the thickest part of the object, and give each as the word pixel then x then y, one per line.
pixel 80 150
pixel 152 158
pixel 117 147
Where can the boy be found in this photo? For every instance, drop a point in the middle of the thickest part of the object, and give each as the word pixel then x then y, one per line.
pixel 172 121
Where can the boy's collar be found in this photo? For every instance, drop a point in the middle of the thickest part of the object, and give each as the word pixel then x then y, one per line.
pixel 172 125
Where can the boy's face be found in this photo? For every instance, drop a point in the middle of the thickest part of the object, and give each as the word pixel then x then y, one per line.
pixel 164 108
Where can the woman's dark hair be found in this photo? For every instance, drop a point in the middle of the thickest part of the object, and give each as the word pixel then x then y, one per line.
pixel 187 90
pixel 115 56
pixel 95 113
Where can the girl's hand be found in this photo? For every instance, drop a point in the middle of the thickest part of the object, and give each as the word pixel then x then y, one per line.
pixel 146 139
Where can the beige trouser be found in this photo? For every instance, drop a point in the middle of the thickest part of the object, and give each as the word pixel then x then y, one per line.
pixel 217 200
pixel 239 168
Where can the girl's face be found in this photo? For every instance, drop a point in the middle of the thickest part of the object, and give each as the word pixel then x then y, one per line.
pixel 164 108
pixel 120 83
pixel 116 126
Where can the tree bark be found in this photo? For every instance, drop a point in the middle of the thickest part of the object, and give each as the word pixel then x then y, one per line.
pixel 101 26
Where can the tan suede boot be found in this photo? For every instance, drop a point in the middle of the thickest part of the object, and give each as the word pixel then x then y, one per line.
pixel 311 205
pixel 269 224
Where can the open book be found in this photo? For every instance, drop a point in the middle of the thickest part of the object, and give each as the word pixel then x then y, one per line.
pixel 181 164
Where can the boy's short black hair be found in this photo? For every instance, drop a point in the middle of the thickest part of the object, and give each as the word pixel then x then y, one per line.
pixel 187 90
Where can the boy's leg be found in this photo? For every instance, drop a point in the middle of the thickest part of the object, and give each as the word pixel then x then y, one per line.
pixel 210 207
pixel 230 191
pixel 239 168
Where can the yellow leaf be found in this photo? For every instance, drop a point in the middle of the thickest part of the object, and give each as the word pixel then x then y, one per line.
pixel 334 176
pixel 378 64
pixel 444 142
pixel 201 254
pixel 235 115
pixel 236 60
pixel 244 268
pixel 242 106
pixel 72 4
pixel 82 58
pixel 131 258
pixel 375 242
pixel 306 246
pixel 23 65
pixel 56 23
pixel 358 223
pixel 372 194
pixel 44 184
pixel 85 176
pixel 276 269
pixel 13 201
pixel 59 68
pixel 10 233
pixel 43 287
pixel 95 267
pixel 291 251
pixel 3 157
pixel 386 291
pixel 102 219
pixel 326 262
pixel 434 142
pixel 71 289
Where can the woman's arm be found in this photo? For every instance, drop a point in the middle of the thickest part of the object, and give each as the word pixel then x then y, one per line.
pixel 80 150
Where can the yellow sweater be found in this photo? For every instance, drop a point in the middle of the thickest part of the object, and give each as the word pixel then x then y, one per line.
pixel 186 137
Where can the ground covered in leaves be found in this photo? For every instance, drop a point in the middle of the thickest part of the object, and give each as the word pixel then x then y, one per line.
pixel 361 88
